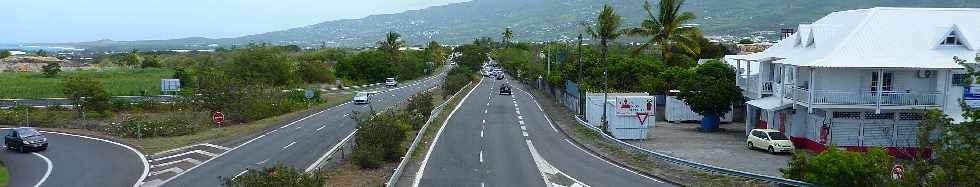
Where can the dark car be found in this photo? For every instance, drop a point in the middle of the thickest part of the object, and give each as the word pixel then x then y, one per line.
pixel 500 76
pixel 25 139
pixel 505 89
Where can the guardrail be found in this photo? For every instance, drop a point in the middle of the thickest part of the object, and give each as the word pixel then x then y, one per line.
pixel 688 163
pixel 397 173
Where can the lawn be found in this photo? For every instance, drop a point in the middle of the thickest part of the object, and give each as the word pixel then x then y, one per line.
pixel 4 176
pixel 29 85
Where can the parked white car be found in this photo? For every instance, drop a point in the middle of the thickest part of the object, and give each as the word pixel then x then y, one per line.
pixel 770 140
pixel 390 82
pixel 362 98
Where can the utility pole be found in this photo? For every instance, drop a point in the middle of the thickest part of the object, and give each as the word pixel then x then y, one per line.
pixel 581 96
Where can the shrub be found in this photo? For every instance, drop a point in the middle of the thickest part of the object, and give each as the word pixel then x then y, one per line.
pixel 136 127
pixel 842 168
pixel 455 80
pixel 380 139
pixel 277 175
pixel 120 105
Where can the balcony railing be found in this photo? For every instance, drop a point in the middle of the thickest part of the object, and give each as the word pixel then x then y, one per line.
pixel 837 97
pixel 753 86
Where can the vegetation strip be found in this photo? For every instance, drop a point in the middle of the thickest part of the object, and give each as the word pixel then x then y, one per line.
pixel 393 179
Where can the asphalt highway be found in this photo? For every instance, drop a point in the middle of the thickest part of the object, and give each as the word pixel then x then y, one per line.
pixel 73 160
pixel 299 143
pixel 506 140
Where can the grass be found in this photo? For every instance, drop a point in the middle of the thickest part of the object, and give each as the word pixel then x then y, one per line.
pixel 349 174
pixel 4 176
pixel 157 144
pixel 32 85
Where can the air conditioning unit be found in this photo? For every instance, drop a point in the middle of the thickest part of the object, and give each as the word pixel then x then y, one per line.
pixel 925 74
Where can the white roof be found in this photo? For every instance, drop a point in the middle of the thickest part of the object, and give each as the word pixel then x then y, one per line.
pixel 744 64
pixel 882 37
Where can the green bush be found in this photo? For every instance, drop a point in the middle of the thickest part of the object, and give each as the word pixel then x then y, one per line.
pixel 842 168
pixel 380 139
pixel 134 127
pixel 120 105
pixel 455 80
pixel 277 175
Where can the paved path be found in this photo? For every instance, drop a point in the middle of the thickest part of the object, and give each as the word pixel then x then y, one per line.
pixel 73 160
pixel 506 140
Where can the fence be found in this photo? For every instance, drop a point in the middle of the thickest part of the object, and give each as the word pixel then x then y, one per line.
pixel 397 173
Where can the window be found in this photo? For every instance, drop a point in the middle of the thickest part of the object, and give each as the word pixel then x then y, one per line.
pixel 777 136
pixel 886 85
pixel 960 79
pixel 951 39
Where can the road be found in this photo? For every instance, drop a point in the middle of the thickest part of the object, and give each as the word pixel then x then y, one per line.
pixel 506 140
pixel 298 144
pixel 73 160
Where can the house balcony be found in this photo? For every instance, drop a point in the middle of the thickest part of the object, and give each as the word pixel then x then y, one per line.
pixel 860 99
pixel 753 87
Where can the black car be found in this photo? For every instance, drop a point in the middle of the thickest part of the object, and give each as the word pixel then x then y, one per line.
pixel 25 139
pixel 505 89
pixel 500 76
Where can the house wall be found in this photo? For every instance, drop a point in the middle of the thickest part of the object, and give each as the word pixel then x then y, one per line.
pixel 846 79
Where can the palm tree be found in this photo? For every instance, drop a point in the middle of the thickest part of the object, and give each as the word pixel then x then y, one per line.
pixel 667 30
pixel 508 35
pixel 606 30
pixel 392 44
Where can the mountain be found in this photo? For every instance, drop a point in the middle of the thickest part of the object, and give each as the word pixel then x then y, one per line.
pixel 538 20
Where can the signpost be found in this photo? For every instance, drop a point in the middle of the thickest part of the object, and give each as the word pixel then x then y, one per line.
pixel 169 85
pixel 971 96
pixel 219 118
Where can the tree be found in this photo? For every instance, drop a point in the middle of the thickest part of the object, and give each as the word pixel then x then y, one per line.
pixel 955 147
pixel 277 175
pixel 667 30
pixel 392 45
pixel 842 168
pixel 86 94
pixel 606 30
pixel 315 72
pixel 745 41
pixel 131 59
pixel 710 91
pixel 436 52
pixel 379 137
pixel 185 77
pixel 152 61
pixel 5 54
pixel 508 36
pixel 266 65
pixel 51 69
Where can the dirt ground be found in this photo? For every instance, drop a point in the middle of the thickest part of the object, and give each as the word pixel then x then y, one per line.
pixel 725 149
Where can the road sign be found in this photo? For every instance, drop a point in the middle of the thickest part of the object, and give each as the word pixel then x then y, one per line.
pixel 897 171
pixel 308 94
pixel 219 118
pixel 170 85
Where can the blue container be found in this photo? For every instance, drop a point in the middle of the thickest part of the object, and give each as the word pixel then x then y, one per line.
pixel 710 121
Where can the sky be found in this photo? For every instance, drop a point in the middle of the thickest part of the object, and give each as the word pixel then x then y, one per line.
pixel 49 21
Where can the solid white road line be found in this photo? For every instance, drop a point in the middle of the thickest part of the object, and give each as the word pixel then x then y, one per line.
pixel 239 174
pixel 191 160
pixel 425 161
pixel 324 157
pixel 546 169
pixel 287 146
pixel 146 164
pixel 321 128
pixel 205 153
pixel 47 172
pixel 550 123
pixel 173 169
pixel 610 163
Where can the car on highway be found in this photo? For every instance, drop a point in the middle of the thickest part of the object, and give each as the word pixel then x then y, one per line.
pixel 505 89
pixel 390 82
pixel 25 139
pixel 500 76
pixel 769 140
pixel 362 98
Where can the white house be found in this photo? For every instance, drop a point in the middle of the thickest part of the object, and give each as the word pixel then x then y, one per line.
pixel 861 78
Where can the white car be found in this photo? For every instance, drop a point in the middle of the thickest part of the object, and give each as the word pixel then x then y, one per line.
pixel 362 98
pixel 390 82
pixel 770 140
